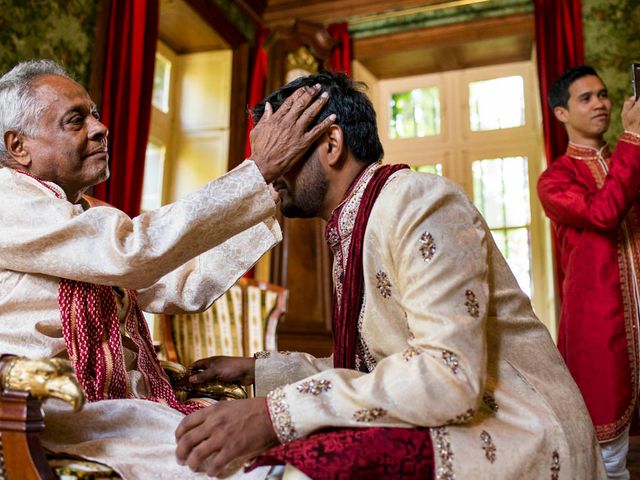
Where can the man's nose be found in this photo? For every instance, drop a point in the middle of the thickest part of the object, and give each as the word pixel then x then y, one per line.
pixel 97 129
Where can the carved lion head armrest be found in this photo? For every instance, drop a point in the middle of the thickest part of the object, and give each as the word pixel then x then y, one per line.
pixel 43 378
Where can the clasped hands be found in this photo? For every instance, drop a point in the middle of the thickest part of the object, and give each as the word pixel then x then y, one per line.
pixel 220 438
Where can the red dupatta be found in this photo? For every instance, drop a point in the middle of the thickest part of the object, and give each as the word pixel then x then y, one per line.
pixel 348 304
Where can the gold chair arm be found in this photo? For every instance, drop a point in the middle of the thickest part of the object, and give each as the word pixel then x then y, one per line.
pixel 43 378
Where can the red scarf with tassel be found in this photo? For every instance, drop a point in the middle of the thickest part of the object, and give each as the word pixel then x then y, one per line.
pixel 91 329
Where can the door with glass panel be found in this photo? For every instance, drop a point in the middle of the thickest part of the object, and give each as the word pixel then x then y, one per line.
pixel 480 128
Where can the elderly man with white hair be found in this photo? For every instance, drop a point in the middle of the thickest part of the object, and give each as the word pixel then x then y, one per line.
pixel 74 279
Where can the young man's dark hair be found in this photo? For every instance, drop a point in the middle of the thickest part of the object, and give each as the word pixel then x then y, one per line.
pixel 559 91
pixel 354 112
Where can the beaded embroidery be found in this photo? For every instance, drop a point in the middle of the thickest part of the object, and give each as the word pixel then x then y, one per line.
pixel 451 360
pixel 410 352
pixel 444 471
pixel 488 446
pixel 280 416
pixel 463 417
pixel 369 414
pixel 555 465
pixel 473 307
pixel 314 387
pixel 490 402
pixel 384 285
pixel 427 246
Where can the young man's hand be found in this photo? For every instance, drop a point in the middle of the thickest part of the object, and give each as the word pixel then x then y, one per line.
pixel 220 438
pixel 240 370
pixel 631 115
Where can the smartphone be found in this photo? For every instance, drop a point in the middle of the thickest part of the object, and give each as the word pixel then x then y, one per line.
pixel 635 79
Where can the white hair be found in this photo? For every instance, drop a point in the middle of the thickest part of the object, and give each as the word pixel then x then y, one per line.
pixel 19 108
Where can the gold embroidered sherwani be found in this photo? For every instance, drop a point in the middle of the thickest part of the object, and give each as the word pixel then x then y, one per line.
pixel 178 258
pixel 449 342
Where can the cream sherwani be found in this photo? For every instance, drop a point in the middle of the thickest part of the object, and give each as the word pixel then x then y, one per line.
pixel 178 258
pixel 450 342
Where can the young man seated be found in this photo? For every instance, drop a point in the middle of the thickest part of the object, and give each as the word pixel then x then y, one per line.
pixel 440 368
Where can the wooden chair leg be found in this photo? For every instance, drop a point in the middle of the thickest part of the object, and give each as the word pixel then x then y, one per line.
pixel 21 421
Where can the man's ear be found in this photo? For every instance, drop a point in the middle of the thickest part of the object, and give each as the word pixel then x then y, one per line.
pixel 14 144
pixel 562 114
pixel 335 145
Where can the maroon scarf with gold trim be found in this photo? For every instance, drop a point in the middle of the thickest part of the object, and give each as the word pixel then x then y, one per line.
pixel 346 313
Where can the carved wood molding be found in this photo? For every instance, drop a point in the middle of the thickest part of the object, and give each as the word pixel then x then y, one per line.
pixel 327 11
pixel 442 36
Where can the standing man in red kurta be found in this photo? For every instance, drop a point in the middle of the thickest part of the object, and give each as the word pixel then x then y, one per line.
pixel 593 200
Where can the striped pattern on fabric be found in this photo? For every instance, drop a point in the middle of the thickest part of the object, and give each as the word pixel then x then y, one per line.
pixel 260 303
pixel 216 331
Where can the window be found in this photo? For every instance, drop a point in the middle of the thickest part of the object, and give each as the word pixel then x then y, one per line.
pixel 497 103
pixel 161 83
pixel 415 113
pixel 434 169
pixel 480 128
pixel 501 194
pixel 153 176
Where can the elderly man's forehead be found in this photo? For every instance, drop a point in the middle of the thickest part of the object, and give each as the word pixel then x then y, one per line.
pixel 52 88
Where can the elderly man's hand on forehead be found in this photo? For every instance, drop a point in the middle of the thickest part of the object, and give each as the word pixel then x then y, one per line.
pixel 280 139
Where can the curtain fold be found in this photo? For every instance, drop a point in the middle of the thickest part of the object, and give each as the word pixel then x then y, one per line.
pixel 258 83
pixel 341 53
pixel 559 46
pixel 126 101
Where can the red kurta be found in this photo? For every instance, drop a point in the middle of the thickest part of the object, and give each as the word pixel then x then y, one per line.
pixel 592 198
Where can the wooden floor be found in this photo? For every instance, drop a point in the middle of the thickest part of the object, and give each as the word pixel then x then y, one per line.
pixel 633 459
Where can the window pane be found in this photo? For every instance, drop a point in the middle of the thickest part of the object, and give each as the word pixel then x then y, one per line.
pixel 516 249
pixel 434 169
pixel 501 191
pixel 501 194
pixel 496 104
pixel 161 82
pixel 415 113
pixel 153 177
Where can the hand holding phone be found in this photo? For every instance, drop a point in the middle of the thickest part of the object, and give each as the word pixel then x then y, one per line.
pixel 635 79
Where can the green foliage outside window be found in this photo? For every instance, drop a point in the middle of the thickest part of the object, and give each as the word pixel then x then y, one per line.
pixel 415 113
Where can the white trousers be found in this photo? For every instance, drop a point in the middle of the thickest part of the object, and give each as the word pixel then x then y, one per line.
pixel 614 455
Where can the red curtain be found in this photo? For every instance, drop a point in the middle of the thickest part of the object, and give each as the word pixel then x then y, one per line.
pixel 341 53
pixel 126 100
pixel 258 82
pixel 559 46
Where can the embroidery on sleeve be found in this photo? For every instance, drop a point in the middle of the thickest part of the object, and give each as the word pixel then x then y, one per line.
pixel 369 414
pixel 473 307
pixel 451 360
pixel 314 387
pixel 280 416
pixel 427 246
pixel 555 465
pixel 383 285
pixel 488 446
pixel 463 417
pixel 410 352
pixel 490 402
